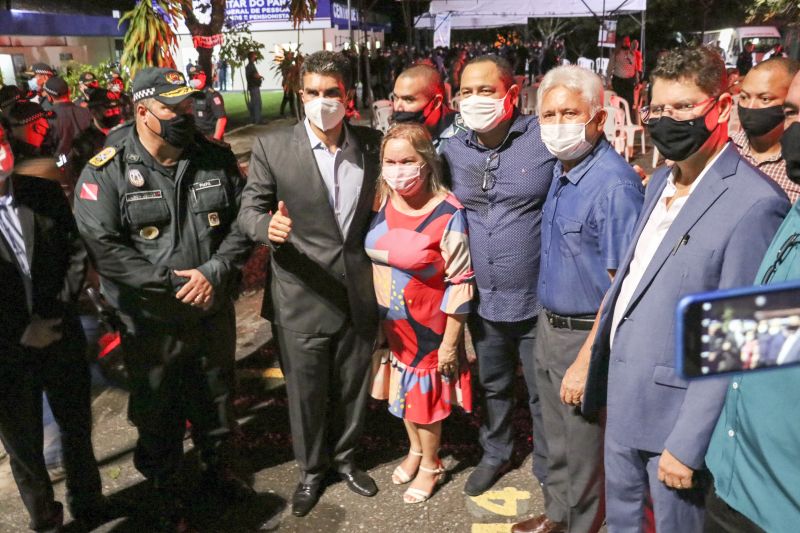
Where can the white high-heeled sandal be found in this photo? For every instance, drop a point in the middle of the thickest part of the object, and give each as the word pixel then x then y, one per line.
pixel 400 476
pixel 412 495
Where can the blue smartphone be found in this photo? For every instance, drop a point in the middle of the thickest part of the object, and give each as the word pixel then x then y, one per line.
pixel 738 330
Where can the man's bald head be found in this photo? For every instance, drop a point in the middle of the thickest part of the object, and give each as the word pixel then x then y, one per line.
pixel 426 76
pixel 767 83
pixel 779 66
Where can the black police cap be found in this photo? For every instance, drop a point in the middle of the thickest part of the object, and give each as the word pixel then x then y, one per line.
pixel 43 68
pixel 9 94
pixel 56 87
pixel 25 112
pixel 166 85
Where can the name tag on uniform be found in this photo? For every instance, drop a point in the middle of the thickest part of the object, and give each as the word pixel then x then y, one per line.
pixel 144 195
pixel 216 182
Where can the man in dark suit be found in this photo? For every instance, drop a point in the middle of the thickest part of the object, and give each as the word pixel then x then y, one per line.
pixel 309 197
pixel 705 224
pixel 42 347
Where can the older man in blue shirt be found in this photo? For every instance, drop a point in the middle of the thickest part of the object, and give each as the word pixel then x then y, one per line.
pixel 501 172
pixel 588 222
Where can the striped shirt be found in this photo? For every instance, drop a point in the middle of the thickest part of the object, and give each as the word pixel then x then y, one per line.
pixel 11 230
pixel 774 167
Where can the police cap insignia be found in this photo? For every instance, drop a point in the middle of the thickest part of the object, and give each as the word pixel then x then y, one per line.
pixel 103 157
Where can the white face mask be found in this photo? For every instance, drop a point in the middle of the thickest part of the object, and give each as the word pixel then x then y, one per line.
pixel 566 141
pixel 33 84
pixel 6 161
pixel 483 113
pixel 324 113
pixel 402 178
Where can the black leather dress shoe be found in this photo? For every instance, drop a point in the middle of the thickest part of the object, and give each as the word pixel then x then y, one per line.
pixel 483 477
pixel 97 512
pixel 304 499
pixel 360 482
pixel 227 484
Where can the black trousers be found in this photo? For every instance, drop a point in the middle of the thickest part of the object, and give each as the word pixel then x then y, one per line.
pixel 178 373
pixel 61 370
pixel 327 383
pixel 624 87
pixel 500 347
pixel 722 518
pixel 289 97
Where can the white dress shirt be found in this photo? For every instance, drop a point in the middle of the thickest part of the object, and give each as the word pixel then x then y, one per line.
pixel 661 219
pixel 343 174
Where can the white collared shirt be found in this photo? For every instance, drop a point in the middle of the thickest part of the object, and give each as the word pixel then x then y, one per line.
pixel 343 174
pixel 661 219
pixel 787 347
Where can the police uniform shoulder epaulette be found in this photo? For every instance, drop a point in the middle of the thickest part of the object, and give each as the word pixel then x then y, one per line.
pixel 102 157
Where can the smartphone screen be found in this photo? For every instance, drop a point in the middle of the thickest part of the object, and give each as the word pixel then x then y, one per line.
pixel 739 330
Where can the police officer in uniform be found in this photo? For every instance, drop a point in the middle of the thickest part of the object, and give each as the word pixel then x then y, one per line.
pixel 209 107
pixel 87 83
pixel 68 122
pixel 106 115
pixel 158 214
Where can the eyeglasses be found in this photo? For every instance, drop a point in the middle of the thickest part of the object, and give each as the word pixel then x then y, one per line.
pixel 651 113
pixel 791 242
pixel 492 164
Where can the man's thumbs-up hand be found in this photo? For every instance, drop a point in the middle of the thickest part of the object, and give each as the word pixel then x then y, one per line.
pixel 281 225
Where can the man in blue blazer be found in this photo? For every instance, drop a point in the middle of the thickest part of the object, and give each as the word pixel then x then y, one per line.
pixel 705 224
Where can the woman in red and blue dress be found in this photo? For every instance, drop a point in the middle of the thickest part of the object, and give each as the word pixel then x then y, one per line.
pixel 424 286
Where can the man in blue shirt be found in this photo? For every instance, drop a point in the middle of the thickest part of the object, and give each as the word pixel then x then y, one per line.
pixel 587 225
pixel 753 454
pixel 501 172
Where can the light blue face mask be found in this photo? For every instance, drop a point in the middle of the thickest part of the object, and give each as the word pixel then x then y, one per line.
pixel 33 85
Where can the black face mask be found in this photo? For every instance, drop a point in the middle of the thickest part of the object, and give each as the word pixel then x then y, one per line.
pixel 419 117
pixel 790 149
pixel 177 131
pixel 758 122
pixel 677 140
pixel 110 121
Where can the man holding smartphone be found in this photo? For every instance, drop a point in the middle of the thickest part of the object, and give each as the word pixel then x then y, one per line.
pixel 752 454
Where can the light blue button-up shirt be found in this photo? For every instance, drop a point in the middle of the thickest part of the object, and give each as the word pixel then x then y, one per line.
pixel 343 174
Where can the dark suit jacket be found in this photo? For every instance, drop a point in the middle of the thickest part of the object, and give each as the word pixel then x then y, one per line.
pixel 56 256
pixel 319 278
pixel 716 242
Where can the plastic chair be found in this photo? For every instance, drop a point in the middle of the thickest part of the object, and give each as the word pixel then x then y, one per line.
pixel 585 62
pixel 600 65
pixel 629 127
pixel 614 129
pixel 381 115
pixel 607 95
pixel 527 100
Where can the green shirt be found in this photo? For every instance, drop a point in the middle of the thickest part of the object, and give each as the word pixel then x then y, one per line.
pixel 754 452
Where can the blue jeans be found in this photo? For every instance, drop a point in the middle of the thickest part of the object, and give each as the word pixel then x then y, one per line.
pixel 255 105
pixel 52 436
pixel 499 347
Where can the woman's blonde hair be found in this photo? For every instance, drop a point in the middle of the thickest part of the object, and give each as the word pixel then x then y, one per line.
pixel 420 140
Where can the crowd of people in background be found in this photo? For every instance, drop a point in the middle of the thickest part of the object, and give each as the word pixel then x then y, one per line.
pixel 531 231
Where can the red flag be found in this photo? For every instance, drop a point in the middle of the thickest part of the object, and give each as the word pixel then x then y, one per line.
pixel 89 191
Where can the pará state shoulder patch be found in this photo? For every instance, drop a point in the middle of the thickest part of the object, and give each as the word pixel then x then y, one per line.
pixel 217 100
pixel 103 157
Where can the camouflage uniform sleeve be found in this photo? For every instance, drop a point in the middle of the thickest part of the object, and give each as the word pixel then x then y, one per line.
pixel 97 213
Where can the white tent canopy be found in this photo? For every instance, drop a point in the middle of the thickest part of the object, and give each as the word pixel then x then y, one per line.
pixel 478 9
pixel 427 21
